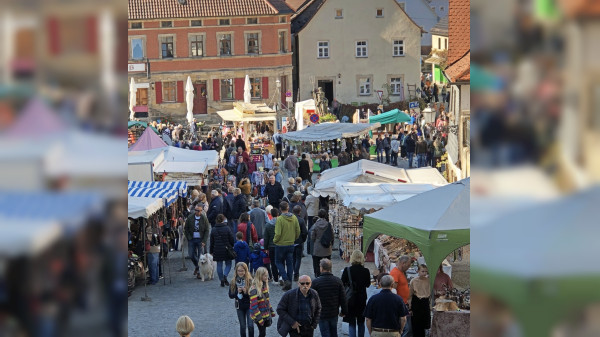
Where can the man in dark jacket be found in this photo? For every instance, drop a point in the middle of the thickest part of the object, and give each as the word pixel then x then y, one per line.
pixel 239 142
pixel 239 206
pixel 332 295
pixel 269 245
pixel 410 143
pixel 196 231
pixel 274 192
pixel 304 169
pixel 299 310
pixel 215 208
pixel 299 243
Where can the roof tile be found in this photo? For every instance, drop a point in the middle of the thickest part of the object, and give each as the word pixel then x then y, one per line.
pixel 459 29
pixel 460 70
pixel 172 9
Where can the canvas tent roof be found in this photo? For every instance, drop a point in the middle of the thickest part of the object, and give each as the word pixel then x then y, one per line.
pixel 176 160
pixel 392 116
pixel 236 116
pixel 437 232
pixel 147 141
pixel 376 195
pixel 366 171
pixel 27 237
pixel 329 131
pixel 168 195
pixel 131 124
pixel 143 207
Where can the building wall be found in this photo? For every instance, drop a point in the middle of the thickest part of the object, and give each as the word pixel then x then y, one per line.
pixel 269 63
pixel 342 35
pixel 422 14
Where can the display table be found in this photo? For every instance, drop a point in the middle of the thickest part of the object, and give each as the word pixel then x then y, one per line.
pixel 451 323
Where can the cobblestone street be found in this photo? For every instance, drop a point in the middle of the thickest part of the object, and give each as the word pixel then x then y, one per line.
pixel 206 303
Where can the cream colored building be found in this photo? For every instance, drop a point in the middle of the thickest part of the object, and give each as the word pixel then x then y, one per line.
pixel 351 48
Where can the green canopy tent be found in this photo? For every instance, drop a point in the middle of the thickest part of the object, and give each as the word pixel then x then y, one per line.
pixel 437 232
pixel 542 262
pixel 392 116
pixel 131 124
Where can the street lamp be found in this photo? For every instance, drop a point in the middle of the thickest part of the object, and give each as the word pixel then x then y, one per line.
pixel 278 86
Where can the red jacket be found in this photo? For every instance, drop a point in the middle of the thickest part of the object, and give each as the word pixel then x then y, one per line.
pixel 242 228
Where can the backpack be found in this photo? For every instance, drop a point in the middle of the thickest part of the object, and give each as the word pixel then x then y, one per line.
pixel 327 237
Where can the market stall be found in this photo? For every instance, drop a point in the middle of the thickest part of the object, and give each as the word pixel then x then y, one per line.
pixel 366 171
pixel 329 131
pixel 540 261
pixel 180 186
pixel 139 207
pixel 437 232
pixel 169 196
pixel 390 117
pixel 354 200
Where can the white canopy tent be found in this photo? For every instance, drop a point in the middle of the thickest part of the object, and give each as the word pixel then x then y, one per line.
pixel 300 108
pixel 184 164
pixel 366 171
pixel 138 207
pixel 234 115
pixel 329 131
pixel 376 195
pixel 27 237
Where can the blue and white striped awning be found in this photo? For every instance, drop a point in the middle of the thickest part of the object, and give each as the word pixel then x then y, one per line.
pixel 180 186
pixel 71 209
pixel 169 196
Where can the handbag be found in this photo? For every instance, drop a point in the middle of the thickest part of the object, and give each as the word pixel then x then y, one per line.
pixel 349 290
pixel 230 251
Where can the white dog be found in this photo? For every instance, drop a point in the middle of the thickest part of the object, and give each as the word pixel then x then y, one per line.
pixel 207 267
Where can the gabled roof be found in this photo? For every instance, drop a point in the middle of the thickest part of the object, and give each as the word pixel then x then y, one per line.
pixel 172 9
pixel 581 8
pixel 319 3
pixel 296 4
pixel 460 70
pixel 441 28
pixel 459 29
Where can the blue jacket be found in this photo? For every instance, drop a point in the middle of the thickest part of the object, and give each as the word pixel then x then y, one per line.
pixel 243 252
pixel 215 208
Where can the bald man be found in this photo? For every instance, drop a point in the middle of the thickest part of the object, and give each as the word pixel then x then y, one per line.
pixel 299 310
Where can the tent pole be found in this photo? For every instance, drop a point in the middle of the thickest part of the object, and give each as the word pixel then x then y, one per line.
pixel 145 298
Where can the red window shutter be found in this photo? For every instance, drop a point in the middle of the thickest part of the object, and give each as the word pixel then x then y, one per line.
pixel 216 90
pixel 92 32
pixel 265 87
pixel 180 91
pixel 53 36
pixel 158 92
pixel 238 87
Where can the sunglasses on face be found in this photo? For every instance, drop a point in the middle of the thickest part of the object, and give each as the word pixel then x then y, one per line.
pixel 304 283
pixel 197 210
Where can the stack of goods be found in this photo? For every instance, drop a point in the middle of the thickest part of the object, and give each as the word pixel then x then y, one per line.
pixel 460 299
pixel 393 248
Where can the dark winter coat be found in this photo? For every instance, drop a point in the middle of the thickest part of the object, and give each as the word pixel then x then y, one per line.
pixel 332 295
pixel 361 280
pixel 303 231
pixel 287 309
pixel 270 233
pixel 188 228
pixel 410 144
pixel 317 231
pixel 215 208
pixel 274 193
pixel 304 169
pixel 239 206
pixel 220 235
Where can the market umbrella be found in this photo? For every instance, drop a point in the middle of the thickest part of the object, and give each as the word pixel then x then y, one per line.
pixel 392 116
pixel 444 227
pixel 132 94
pixel 247 96
pixel 131 124
pixel 541 261
pixel 189 99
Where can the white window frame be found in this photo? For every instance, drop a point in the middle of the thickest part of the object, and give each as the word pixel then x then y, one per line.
pixel 322 49
pixel 160 41
pixel 363 48
pixel 393 84
pixel 394 48
pixel 285 41
pixel 368 83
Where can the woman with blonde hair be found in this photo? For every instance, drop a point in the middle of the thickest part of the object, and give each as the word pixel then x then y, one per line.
pixel 260 304
pixel 184 326
pixel 359 278
pixel 239 291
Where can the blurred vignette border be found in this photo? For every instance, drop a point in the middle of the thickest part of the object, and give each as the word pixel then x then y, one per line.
pixel 536 167
pixel 63 173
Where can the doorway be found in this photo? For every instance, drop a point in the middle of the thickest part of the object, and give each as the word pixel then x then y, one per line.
pixel 327 86
pixel 200 101
pixel 141 103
